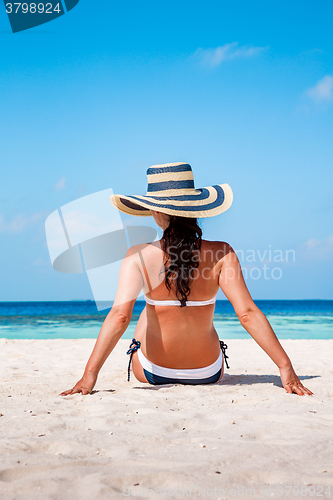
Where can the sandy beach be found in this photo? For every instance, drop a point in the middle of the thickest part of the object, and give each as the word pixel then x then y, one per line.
pixel 243 437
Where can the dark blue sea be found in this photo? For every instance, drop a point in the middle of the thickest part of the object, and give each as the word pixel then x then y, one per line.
pixel 290 319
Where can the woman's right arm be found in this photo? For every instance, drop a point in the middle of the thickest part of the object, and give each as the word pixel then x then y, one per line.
pixel 115 323
pixel 255 322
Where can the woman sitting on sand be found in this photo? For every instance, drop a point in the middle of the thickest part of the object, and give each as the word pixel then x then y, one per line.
pixel 175 339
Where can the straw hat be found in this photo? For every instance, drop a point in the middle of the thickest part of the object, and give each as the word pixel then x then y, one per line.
pixel 171 191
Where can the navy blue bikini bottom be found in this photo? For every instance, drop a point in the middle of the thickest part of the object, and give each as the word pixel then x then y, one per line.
pixel 158 380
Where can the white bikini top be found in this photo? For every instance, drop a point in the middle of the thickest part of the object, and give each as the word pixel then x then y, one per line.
pixel 178 302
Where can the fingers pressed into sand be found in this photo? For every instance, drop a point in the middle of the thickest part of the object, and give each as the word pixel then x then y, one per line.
pixel 298 390
pixel 74 390
pixel 306 391
pixel 65 393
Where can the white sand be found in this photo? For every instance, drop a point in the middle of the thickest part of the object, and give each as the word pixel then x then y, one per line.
pixel 245 432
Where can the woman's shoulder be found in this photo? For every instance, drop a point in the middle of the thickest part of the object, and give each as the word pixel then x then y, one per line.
pixel 146 250
pixel 216 253
pixel 222 248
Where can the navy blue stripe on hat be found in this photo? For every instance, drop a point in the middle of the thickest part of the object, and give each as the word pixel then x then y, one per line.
pixel 163 170
pixel 162 186
pixel 131 205
pixel 200 208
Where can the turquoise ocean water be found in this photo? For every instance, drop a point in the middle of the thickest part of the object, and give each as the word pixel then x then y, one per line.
pixel 290 319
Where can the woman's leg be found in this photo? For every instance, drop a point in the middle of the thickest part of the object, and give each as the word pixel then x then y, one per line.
pixel 140 331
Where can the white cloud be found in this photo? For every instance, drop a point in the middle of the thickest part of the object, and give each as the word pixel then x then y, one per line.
pixel 322 91
pixel 60 184
pixel 320 248
pixel 214 57
pixel 312 243
pixel 19 222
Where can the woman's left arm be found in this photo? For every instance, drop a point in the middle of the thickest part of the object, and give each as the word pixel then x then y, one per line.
pixel 255 322
pixel 114 325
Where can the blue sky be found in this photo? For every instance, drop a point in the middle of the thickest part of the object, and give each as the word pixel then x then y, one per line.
pixel 243 91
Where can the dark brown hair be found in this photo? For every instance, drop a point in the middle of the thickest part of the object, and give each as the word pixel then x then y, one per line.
pixel 181 241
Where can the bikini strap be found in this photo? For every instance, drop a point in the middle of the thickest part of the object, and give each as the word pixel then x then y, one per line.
pixel 180 303
pixel 143 268
pixel 223 348
pixel 134 346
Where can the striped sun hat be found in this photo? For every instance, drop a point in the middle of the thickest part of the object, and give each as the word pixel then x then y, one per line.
pixel 171 191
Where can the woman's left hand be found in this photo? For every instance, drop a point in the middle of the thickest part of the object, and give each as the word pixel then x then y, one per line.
pixel 292 383
pixel 84 386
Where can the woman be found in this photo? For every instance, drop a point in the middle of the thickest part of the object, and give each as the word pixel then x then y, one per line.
pixel 175 339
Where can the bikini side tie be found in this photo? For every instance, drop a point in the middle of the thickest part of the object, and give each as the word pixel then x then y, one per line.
pixel 135 345
pixel 223 348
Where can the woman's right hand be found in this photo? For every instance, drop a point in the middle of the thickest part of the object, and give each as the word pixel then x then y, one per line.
pixel 291 382
pixel 84 386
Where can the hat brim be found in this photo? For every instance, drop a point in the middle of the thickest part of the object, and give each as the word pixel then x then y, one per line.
pixel 196 203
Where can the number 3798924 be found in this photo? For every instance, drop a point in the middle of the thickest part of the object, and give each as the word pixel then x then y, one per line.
pixel 32 8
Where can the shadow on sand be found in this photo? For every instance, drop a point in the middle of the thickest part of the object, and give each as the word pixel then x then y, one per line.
pixel 235 380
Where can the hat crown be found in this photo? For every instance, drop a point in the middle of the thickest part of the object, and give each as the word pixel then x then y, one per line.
pixel 170 176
